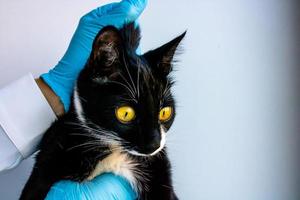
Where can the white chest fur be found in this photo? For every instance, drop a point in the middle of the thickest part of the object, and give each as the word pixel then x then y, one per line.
pixel 119 164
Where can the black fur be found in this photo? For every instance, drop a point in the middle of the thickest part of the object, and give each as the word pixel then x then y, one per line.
pixel 113 76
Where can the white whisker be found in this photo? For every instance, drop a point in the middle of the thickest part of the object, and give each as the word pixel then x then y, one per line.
pixel 130 91
pixel 125 63
pixel 138 77
pixel 129 86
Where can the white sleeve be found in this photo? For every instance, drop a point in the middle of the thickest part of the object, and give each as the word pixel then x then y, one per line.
pixel 24 116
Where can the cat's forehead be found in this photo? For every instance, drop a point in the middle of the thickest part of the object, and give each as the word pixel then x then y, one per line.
pixel 139 81
pixel 144 74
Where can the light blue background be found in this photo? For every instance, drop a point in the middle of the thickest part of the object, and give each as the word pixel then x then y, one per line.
pixel 235 135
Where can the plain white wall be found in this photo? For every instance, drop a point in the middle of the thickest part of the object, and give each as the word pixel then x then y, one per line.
pixel 234 135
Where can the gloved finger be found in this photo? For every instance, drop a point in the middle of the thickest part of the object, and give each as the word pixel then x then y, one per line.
pixel 137 6
pixel 133 8
pixel 127 10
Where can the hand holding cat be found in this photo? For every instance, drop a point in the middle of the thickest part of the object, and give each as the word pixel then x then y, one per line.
pixel 62 77
pixel 104 187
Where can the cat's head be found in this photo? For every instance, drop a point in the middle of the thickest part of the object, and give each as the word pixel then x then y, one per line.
pixel 126 98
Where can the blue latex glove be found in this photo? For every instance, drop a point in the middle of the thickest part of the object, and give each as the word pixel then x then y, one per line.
pixel 62 77
pixel 109 187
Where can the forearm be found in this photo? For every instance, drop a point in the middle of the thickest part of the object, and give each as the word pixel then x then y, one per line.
pixel 51 97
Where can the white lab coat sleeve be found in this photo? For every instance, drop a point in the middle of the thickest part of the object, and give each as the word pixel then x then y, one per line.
pixel 24 116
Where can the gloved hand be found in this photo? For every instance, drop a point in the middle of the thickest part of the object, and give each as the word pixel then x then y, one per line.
pixel 62 77
pixel 104 187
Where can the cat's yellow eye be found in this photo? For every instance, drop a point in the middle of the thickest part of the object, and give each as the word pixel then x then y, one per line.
pixel 125 114
pixel 165 114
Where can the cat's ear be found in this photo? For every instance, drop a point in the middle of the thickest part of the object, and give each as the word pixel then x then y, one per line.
pixel 161 58
pixel 107 48
pixel 131 35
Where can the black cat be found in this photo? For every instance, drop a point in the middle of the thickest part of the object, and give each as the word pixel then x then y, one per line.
pixel 122 107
